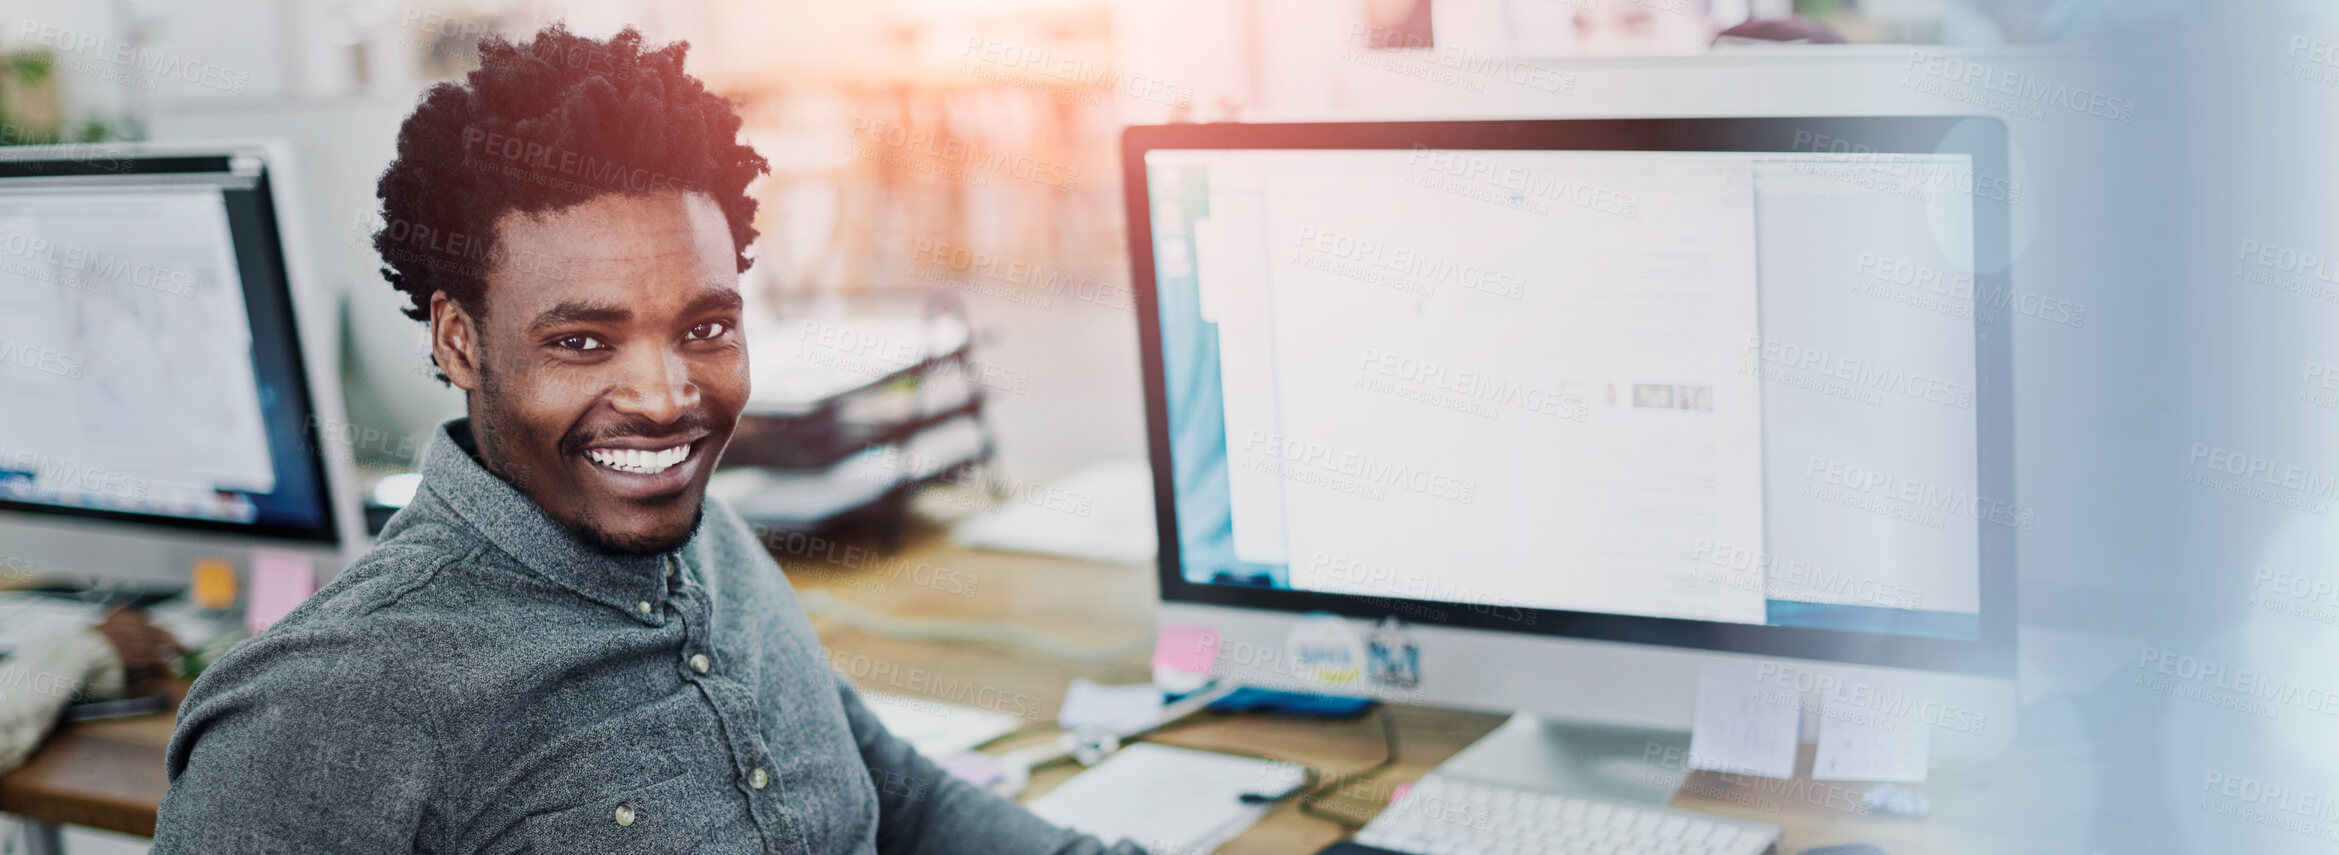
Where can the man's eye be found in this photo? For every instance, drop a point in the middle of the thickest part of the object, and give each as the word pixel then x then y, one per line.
pixel 581 342
pixel 708 330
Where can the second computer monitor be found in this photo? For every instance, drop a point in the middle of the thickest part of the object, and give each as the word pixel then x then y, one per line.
pixel 1727 384
pixel 167 389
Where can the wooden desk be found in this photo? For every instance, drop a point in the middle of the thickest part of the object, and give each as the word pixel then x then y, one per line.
pixel 1109 604
pixel 109 775
pixel 100 774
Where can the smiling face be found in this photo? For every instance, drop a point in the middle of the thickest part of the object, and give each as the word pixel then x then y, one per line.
pixel 605 370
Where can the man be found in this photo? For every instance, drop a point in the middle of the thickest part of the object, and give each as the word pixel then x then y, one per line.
pixel 562 646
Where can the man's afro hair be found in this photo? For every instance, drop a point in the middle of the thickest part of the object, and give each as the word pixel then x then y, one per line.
pixel 541 126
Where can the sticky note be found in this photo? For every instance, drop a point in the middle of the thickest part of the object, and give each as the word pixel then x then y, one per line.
pixel 1185 647
pixel 214 586
pixel 281 579
pixel 1743 726
pixel 1858 744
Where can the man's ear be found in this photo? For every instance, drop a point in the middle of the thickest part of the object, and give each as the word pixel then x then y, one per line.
pixel 454 342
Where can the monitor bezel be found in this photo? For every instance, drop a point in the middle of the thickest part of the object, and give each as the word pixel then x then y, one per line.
pixel 111 161
pixel 1992 653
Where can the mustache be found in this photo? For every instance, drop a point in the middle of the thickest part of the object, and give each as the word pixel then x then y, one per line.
pixel 631 426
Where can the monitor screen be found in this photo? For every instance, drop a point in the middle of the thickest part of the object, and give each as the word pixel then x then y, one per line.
pixel 1721 386
pixel 149 367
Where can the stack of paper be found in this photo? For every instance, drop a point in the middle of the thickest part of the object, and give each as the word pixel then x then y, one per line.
pixel 1102 512
pixel 1171 801
pixel 1089 705
pixel 31 619
pixel 935 728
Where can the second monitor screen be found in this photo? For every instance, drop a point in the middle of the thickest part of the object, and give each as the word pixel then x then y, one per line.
pixel 1727 386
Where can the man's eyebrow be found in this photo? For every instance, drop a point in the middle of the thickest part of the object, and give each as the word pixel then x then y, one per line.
pixel 580 312
pixel 715 300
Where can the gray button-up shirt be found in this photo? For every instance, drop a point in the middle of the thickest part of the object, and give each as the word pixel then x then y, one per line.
pixel 484 682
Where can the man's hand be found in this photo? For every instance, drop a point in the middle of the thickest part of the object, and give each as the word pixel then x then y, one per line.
pixel 146 651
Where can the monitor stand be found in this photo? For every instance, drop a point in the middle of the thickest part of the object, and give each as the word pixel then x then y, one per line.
pixel 1629 764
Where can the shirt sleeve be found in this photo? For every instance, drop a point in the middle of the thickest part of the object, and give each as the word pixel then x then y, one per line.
pixel 37 683
pixel 922 810
pixel 301 743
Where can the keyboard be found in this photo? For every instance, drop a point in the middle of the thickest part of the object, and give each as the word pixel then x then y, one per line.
pixel 1453 816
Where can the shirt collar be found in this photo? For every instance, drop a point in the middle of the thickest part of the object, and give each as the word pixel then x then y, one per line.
pixel 513 523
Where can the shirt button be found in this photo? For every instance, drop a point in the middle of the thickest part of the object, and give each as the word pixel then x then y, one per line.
pixel 643 607
pixel 624 815
pixel 699 663
pixel 669 568
pixel 757 778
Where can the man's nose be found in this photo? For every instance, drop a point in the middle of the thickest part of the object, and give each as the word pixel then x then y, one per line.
pixel 657 386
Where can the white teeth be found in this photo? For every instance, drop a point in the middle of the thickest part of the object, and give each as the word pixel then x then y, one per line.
pixel 638 461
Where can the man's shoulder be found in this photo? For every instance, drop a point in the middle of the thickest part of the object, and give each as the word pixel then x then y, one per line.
pixel 368 618
pixel 389 574
pixel 337 659
pixel 397 611
pixel 437 574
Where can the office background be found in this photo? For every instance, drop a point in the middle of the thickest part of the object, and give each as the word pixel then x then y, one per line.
pixel 2165 324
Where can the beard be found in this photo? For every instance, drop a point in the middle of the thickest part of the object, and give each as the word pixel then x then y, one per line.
pixel 624 546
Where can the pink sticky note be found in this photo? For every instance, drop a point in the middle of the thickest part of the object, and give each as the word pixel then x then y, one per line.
pixel 281 579
pixel 1185 647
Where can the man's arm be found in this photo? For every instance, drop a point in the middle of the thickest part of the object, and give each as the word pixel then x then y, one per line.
pixel 296 743
pixel 922 810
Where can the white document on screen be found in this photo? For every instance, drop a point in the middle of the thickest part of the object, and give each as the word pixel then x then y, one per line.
pixel 150 392
pixel 1511 379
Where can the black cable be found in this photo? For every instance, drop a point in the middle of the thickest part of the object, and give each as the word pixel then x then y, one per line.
pixel 1308 779
pixel 1308 802
pixel 1200 716
pixel 1019 733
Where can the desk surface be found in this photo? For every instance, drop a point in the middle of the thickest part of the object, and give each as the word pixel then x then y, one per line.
pixel 101 774
pixel 1110 604
pixel 109 775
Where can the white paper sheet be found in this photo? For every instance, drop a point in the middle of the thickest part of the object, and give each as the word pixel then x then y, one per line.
pixel 1101 512
pixel 28 620
pixel 1172 801
pixel 1090 705
pixel 1743 726
pixel 935 728
pixel 1864 745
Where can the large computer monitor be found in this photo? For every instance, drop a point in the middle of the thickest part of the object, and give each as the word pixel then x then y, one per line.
pixel 167 384
pixel 1588 407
